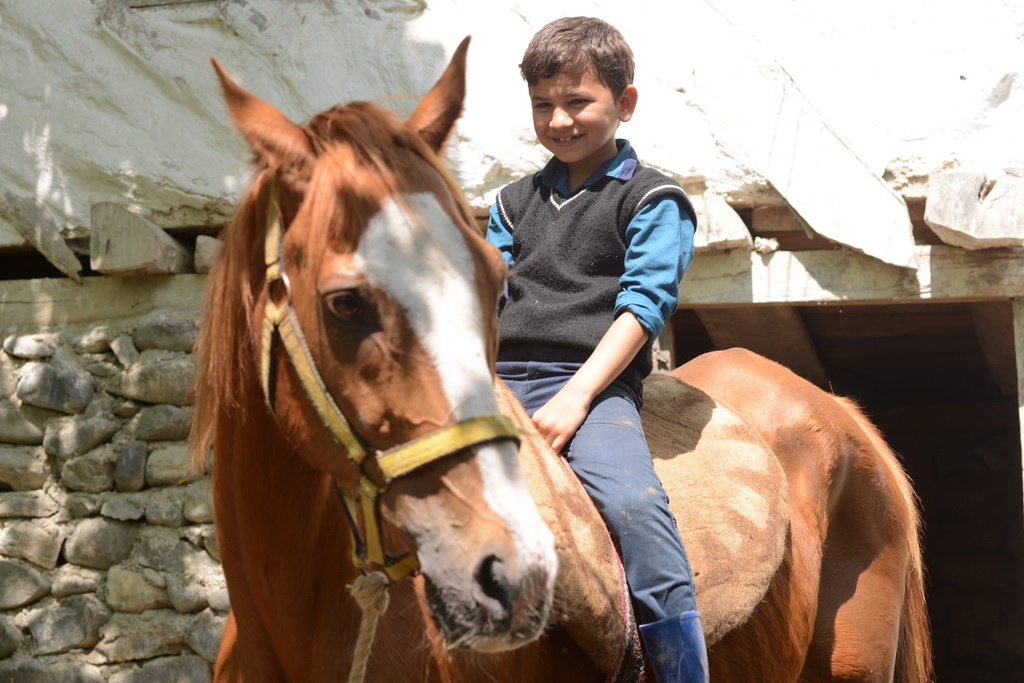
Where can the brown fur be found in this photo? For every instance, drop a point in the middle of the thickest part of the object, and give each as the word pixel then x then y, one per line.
pixel 848 601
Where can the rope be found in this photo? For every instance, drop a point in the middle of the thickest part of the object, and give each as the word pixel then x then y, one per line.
pixel 370 593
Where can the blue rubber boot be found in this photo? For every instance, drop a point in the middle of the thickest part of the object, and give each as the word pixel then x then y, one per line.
pixel 675 648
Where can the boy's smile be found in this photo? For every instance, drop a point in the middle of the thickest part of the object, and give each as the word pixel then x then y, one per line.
pixel 576 119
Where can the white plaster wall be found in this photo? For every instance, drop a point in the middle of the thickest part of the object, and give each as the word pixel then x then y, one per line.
pixel 103 102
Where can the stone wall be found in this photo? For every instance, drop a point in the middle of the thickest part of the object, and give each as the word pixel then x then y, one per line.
pixel 109 568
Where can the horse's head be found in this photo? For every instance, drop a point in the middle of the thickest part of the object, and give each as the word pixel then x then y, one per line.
pixel 377 304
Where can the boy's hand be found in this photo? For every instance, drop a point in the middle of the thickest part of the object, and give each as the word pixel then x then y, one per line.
pixel 558 419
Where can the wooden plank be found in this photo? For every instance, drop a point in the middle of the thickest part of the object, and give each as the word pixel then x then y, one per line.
pixel 810 277
pixel 122 243
pixel 33 221
pixel 773 219
pixel 39 303
pixel 718 225
pixel 966 210
pixel 207 251
pixel 775 332
pixel 11 239
pixel 782 224
pixel 993 325
pixel 787 141
pixel 1018 340
pixel 922 233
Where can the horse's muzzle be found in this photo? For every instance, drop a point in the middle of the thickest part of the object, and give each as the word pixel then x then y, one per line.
pixel 486 556
pixel 501 610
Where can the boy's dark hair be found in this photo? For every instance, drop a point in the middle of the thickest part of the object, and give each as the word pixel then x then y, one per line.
pixel 575 46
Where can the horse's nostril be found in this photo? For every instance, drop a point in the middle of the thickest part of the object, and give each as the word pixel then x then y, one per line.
pixel 493 579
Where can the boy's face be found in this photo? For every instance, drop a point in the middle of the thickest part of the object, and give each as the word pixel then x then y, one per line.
pixel 576 120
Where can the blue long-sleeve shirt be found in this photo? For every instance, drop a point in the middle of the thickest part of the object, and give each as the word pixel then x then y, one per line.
pixel 659 242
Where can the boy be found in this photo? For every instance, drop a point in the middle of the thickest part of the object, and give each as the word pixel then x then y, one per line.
pixel 596 245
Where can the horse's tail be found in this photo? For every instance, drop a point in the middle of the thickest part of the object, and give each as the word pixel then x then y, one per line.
pixel 914 648
pixel 914 652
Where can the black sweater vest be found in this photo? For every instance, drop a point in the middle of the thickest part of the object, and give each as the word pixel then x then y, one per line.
pixel 569 254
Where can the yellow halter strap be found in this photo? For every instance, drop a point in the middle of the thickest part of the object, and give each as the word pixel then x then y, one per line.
pixel 361 504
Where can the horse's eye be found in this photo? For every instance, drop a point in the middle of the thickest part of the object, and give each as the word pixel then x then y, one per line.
pixel 346 305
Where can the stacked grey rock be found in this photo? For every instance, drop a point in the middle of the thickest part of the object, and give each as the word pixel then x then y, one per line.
pixel 108 565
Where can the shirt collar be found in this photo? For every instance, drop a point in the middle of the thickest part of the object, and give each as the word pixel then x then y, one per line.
pixel 622 166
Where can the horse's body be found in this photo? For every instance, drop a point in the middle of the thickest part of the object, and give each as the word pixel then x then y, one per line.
pixel 396 295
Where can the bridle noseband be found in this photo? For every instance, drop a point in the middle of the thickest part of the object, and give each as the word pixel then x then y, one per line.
pixel 361 504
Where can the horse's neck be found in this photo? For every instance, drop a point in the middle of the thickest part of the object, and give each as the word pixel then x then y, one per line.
pixel 285 549
pixel 589 594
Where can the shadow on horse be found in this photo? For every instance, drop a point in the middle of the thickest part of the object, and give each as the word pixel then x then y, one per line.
pixel 346 387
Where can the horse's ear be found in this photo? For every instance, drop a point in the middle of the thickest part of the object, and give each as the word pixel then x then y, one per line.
pixel 436 113
pixel 276 141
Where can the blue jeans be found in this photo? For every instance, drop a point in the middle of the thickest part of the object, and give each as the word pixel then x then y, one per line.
pixel 610 456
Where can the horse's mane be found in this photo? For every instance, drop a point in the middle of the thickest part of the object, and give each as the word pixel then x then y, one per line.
pixel 356 145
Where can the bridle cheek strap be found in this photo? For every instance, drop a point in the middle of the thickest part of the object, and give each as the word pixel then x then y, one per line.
pixel 279 321
pixel 362 505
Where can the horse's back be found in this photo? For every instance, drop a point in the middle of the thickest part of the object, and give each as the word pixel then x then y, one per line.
pixel 728 494
pixel 770 397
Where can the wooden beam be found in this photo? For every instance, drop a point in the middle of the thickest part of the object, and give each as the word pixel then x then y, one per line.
pixel 122 243
pixel 775 332
pixel 966 210
pixel 774 219
pixel 738 277
pixel 783 225
pixel 718 225
pixel 11 239
pixel 39 303
pixel 993 325
pixel 1018 340
pixel 33 221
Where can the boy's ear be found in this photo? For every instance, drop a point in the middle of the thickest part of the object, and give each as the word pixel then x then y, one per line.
pixel 627 103
pixel 437 112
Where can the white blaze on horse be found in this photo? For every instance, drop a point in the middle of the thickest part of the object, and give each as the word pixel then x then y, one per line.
pixel 346 386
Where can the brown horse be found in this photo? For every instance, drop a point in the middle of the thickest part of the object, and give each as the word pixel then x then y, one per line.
pixel 346 386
